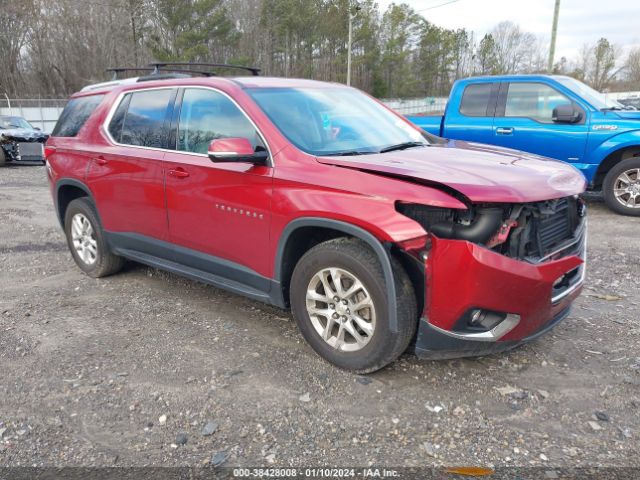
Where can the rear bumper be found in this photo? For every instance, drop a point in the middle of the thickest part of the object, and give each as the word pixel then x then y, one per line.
pixel 462 277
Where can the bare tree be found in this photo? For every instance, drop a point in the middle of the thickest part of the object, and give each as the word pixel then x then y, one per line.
pixel 15 18
pixel 598 64
pixel 632 69
pixel 515 50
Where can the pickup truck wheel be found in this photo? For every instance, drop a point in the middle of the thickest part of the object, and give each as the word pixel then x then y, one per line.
pixel 621 187
pixel 87 242
pixel 339 301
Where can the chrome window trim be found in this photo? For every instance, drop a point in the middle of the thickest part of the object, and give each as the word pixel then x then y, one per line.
pixel 121 95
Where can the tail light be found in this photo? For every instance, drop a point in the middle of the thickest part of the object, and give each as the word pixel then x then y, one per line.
pixel 48 151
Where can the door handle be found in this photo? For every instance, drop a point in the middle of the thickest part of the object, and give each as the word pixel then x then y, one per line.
pixel 100 161
pixel 504 130
pixel 178 173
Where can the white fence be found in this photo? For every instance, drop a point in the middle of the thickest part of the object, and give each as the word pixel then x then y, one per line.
pixel 40 112
pixel 619 95
pixel 412 106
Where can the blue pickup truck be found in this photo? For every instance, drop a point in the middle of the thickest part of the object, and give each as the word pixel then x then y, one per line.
pixel 552 116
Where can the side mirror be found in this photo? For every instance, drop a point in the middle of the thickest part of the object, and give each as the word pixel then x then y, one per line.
pixel 236 150
pixel 566 113
pixel 37 128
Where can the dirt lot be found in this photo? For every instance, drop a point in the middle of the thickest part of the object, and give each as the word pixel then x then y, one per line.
pixel 123 370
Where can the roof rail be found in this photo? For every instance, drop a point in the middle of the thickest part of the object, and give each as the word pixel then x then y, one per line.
pixel 117 70
pixel 154 72
pixel 160 65
pixel 164 70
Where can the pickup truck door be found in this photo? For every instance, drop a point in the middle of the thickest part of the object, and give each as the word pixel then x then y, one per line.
pixel 471 118
pixel 524 121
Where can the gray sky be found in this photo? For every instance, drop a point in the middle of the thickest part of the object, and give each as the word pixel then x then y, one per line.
pixel 581 21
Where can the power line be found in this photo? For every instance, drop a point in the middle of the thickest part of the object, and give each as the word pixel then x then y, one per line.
pixel 438 6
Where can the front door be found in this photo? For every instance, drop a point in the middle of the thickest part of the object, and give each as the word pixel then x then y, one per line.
pixel 524 122
pixel 221 210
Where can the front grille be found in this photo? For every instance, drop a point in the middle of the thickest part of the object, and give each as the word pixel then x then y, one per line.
pixel 31 151
pixel 554 227
pixel 545 230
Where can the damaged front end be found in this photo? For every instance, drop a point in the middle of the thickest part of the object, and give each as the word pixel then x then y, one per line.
pixel 496 274
pixel 22 145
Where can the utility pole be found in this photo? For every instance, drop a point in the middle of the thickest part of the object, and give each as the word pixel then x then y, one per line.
pixel 352 14
pixel 554 31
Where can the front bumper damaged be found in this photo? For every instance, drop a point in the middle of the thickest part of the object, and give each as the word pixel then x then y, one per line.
pixel 462 278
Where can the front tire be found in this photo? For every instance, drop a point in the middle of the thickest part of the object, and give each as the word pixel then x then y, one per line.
pixel 621 187
pixel 339 301
pixel 3 158
pixel 87 242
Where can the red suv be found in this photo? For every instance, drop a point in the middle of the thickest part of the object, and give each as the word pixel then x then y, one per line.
pixel 316 197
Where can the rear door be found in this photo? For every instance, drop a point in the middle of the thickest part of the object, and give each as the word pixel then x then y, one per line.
pixel 472 118
pixel 524 122
pixel 127 177
pixel 219 209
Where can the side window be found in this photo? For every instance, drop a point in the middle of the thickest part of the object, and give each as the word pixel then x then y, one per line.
pixel 115 125
pixel 75 114
pixel 475 100
pixel 533 100
pixel 140 119
pixel 206 115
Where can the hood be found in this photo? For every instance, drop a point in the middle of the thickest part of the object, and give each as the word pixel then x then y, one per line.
pixel 482 173
pixel 24 134
pixel 629 114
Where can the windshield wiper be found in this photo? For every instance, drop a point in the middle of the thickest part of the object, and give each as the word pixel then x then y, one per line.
pixel 611 109
pixel 403 146
pixel 348 153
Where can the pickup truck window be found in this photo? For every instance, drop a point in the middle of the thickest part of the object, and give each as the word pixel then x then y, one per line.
pixel 206 115
pixel 475 100
pixel 533 100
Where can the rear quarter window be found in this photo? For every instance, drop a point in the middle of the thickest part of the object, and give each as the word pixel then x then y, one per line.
pixel 475 100
pixel 139 119
pixel 75 115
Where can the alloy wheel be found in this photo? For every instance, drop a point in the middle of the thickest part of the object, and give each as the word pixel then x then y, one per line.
pixel 626 188
pixel 84 240
pixel 341 309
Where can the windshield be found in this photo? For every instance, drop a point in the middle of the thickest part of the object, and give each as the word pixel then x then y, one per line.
pixel 14 122
pixel 595 98
pixel 334 121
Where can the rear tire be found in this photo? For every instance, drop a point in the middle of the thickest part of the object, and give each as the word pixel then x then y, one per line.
pixel 352 332
pixel 87 242
pixel 621 187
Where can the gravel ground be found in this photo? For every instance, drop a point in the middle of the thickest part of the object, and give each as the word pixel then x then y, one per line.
pixel 147 368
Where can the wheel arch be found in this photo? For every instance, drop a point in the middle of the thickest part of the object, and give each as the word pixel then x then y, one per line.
pixel 67 190
pixel 611 160
pixel 300 234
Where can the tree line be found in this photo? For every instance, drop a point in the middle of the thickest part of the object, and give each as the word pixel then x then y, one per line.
pixel 51 48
